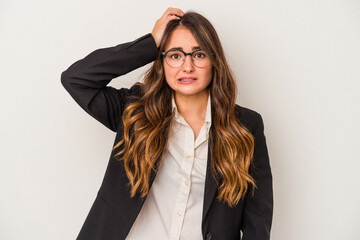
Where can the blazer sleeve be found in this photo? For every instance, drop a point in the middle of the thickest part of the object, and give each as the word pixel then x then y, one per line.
pixel 258 208
pixel 86 80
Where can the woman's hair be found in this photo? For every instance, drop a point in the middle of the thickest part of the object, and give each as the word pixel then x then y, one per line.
pixel 148 122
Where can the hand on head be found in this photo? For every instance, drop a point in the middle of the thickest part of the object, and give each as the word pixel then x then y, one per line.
pixel 160 25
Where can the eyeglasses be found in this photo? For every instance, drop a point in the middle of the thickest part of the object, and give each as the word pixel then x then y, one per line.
pixel 175 58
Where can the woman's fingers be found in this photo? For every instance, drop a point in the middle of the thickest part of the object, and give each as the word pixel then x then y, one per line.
pixel 174 11
pixel 160 25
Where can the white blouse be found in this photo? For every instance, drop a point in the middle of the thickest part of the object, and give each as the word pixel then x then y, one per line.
pixel 174 205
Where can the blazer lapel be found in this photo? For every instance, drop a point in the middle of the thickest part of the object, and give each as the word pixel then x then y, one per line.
pixel 210 186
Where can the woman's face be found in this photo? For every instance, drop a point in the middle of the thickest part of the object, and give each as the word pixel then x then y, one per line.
pixel 188 79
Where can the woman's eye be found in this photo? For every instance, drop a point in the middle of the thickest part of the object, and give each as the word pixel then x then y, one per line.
pixel 200 55
pixel 174 56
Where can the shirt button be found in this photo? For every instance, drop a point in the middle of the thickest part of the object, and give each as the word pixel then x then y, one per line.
pixel 179 214
pixel 186 183
pixel 208 236
pixel 189 156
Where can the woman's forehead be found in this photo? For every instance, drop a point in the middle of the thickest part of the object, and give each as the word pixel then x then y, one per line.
pixel 182 38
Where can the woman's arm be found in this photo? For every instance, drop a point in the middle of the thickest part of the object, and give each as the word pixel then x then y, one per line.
pixel 87 78
pixel 258 209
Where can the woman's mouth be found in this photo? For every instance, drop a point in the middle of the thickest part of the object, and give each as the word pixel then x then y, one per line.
pixel 187 80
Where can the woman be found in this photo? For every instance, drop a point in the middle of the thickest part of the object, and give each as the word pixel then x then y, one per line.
pixel 187 162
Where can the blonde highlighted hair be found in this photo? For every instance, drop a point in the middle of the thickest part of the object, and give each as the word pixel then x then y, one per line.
pixel 148 121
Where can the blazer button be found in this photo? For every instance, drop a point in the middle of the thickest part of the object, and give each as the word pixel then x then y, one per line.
pixel 208 236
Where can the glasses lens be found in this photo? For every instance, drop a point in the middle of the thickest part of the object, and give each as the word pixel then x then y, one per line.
pixel 200 59
pixel 175 58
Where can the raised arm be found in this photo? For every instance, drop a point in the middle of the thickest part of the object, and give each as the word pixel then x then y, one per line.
pixel 87 78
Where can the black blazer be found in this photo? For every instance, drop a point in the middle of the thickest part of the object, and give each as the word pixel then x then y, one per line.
pixel 114 212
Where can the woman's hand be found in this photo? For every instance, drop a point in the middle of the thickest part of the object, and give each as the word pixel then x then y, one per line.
pixel 161 23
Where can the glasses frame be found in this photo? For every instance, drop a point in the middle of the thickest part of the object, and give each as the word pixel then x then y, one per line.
pixel 185 54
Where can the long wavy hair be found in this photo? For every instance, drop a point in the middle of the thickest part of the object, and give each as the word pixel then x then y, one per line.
pixel 148 121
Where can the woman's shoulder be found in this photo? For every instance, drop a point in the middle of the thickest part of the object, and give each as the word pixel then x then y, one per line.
pixel 134 91
pixel 248 117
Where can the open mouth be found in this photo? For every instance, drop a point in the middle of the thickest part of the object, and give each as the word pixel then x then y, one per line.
pixel 187 80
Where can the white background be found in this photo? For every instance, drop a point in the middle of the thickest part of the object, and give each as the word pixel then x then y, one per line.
pixel 296 62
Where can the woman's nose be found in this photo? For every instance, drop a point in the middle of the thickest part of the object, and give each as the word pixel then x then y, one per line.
pixel 188 64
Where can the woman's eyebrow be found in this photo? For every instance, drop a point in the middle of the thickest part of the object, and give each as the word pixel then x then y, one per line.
pixel 180 48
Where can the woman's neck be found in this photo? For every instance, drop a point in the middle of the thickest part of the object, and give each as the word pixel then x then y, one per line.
pixel 192 108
